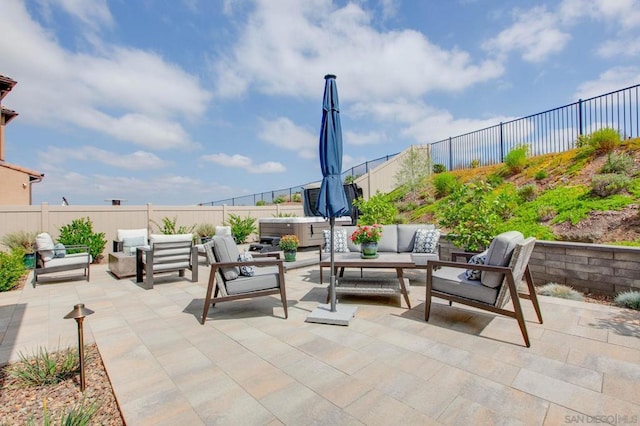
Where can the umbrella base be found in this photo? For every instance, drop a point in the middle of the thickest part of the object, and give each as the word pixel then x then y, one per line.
pixel 323 315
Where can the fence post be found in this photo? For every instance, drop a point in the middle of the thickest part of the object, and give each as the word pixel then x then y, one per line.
pixel 501 145
pixel 450 155
pixel 579 117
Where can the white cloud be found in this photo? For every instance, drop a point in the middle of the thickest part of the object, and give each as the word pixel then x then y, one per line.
pixel 624 13
pixel 102 90
pixel 613 79
pixel 534 34
pixel 284 133
pixel 619 47
pixel 360 139
pixel 139 160
pixel 89 12
pixel 245 163
pixel 287 46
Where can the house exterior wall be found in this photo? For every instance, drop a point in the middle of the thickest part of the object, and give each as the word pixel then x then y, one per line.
pixel 15 188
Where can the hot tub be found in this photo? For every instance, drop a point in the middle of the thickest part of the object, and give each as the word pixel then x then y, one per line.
pixel 308 229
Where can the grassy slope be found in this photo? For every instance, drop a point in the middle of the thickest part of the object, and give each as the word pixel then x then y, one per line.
pixel 565 191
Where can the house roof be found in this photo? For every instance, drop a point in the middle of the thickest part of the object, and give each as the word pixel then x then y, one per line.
pixel 6 84
pixel 9 114
pixel 32 173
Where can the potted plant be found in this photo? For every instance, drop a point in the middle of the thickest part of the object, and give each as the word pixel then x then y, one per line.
pixel 368 236
pixel 289 244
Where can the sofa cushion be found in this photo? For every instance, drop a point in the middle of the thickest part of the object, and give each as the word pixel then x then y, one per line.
pixel 226 250
pixel 130 244
pixel 476 259
pixel 70 259
pixel 454 281
pixel 264 279
pixel 351 246
pixel 44 244
pixel 163 238
pixel 426 240
pixel 339 240
pixel 499 254
pixel 389 240
pixel 125 233
pixel 223 231
pixel 407 235
pixel 247 271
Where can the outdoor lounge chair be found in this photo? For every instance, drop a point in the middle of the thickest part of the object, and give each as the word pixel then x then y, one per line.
pixel 227 283
pixel 128 240
pixel 50 258
pixel 505 265
pixel 167 253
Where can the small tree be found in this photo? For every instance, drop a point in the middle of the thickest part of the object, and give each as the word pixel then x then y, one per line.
pixel 415 167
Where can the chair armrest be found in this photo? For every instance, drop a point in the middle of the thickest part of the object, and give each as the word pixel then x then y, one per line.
pixel 268 254
pixel 255 262
pixel 117 246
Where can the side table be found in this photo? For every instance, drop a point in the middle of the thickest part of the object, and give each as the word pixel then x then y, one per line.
pixel 122 265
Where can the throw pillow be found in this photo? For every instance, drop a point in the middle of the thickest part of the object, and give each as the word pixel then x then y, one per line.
pixel 426 240
pixel 247 271
pixel 44 244
pixel 477 259
pixel 129 244
pixel 59 250
pixel 339 241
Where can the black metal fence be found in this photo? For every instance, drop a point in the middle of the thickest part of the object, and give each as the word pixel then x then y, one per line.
pixel 555 130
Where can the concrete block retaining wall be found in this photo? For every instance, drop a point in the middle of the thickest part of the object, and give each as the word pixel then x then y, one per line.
pixel 589 268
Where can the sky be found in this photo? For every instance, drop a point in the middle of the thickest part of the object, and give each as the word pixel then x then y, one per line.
pixel 185 102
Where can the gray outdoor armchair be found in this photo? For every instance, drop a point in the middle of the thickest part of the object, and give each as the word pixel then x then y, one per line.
pixel 505 266
pixel 167 253
pixel 233 279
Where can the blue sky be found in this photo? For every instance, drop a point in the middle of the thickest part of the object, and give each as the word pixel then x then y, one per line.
pixel 188 101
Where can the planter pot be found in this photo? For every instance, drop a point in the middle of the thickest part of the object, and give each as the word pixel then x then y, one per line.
pixel 369 250
pixel 29 260
pixel 289 255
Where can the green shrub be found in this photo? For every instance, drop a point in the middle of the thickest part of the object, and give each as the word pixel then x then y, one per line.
pixel 11 268
pixel 445 183
pixel 618 163
pixel 471 217
pixel 80 414
pixel 546 213
pixel 628 299
pixel 475 163
pixel 80 232
pixel 604 140
pixel 495 180
pixel 377 209
pixel 559 290
pixel 296 198
pixel 20 239
pixel 44 368
pixel 241 228
pixel 609 184
pixel 205 230
pixel 170 226
pixel 439 168
pixel 279 200
pixel 528 192
pixel 516 159
pixel 540 174
pixel 261 203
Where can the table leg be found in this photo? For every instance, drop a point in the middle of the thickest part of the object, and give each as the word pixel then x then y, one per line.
pixel 403 287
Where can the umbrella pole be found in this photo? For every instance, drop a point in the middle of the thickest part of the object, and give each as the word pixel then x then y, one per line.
pixel 332 280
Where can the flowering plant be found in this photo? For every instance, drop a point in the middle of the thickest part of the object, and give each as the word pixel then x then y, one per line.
pixel 289 242
pixel 367 234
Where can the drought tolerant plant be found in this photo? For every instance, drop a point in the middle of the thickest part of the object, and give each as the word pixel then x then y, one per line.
pixel 559 290
pixel 377 209
pixel 205 230
pixel 444 183
pixel 541 174
pixel 170 226
pixel 241 228
pixel 279 200
pixel 414 168
pixel 495 180
pixel 475 163
pixel 45 368
pixel 20 239
pixel 80 232
pixel 439 168
pixel 471 217
pixel 296 198
pixel 528 192
pixel 546 213
pixel 516 159
pixel 609 184
pixel 604 140
pixel 11 268
pixel 618 163
pixel 628 299
pixel 261 203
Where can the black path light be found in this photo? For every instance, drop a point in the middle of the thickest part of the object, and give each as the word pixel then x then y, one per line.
pixel 78 314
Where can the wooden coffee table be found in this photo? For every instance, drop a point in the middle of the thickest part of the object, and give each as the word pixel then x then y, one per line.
pixel 372 285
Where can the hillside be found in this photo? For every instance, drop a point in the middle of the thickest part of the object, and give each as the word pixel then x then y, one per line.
pixel 552 197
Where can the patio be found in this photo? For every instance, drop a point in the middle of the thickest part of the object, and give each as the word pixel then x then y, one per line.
pixel 248 365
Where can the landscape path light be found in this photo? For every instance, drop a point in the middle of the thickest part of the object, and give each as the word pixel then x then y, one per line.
pixel 78 314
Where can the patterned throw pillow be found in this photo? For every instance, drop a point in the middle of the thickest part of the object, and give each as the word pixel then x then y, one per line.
pixel 247 271
pixel 426 240
pixel 339 241
pixel 478 259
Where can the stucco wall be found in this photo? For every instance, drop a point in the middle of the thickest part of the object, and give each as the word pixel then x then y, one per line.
pixel 14 188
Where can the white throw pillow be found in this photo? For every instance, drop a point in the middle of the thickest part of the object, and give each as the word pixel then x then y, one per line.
pixel 130 244
pixel 44 244
pixel 426 240
pixel 339 241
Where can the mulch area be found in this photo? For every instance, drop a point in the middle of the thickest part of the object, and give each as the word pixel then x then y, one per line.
pixel 20 404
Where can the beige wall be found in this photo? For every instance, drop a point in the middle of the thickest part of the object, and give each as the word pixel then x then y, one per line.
pixel 108 219
pixel 14 187
pixel 382 178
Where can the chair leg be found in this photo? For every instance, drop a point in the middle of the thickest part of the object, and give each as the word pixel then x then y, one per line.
pixel 207 300
pixel 194 264
pixel 427 299
pixel 532 293
pixel 148 281
pixel 283 296
pixel 517 308
pixel 139 265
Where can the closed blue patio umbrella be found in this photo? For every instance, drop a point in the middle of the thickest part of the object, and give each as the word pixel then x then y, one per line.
pixel 332 201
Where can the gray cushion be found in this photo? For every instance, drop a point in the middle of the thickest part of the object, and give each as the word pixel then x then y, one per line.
pixel 453 281
pixel 264 279
pixel 70 259
pixel 129 244
pixel 407 234
pixel 389 240
pixel 423 258
pixel 499 254
pixel 226 250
